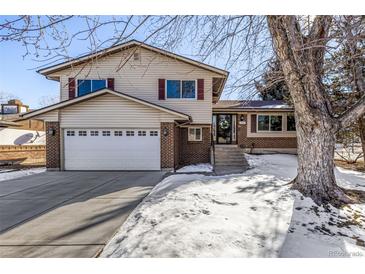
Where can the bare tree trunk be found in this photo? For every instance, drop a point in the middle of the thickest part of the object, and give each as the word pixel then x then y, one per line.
pixel 316 179
pixel 315 123
pixel 361 123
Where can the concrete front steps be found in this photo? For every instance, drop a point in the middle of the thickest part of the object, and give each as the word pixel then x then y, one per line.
pixel 229 159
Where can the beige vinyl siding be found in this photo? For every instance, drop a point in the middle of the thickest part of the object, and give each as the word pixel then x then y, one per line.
pixel 111 111
pixel 51 116
pixel 140 79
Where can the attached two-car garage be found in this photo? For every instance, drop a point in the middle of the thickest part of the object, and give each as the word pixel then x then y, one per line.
pixel 111 149
pixel 107 130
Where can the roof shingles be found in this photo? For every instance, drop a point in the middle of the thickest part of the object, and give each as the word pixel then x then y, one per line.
pixel 251 104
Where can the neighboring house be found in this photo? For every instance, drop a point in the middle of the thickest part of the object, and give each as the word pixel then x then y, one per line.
pixel 21 142
pixel 10 112
pixel 26 132
pixel 136 107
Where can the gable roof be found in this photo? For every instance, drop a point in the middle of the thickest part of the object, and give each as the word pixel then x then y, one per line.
pixel 89 96
pixel 252 105
pixel 123 46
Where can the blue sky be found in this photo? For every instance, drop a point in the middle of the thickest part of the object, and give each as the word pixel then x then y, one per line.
pixel 18 74
pixel 18 77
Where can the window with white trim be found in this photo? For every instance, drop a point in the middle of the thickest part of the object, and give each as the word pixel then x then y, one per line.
pixel 94 133
pixel 82 133
pixel 118 133
pixel 141 133
pixel 86 86
pixel 70 133
pixel 181 89
pixel 130 133
pixel 269 123
pixel 234 125
pixel 106 133
pixel 154 133
pixel 194 134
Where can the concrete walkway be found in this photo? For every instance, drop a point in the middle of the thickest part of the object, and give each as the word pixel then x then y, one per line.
pixel 67 214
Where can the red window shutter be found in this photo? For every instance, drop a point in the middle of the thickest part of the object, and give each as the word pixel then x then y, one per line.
pixel 253 123
pixel 200 89
pixel 161 89
pixel 71 88
pixel 111 83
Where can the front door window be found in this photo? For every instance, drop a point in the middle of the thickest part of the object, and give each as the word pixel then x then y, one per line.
pixel 224 128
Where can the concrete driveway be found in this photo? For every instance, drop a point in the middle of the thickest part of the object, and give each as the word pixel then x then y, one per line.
pixel 67 214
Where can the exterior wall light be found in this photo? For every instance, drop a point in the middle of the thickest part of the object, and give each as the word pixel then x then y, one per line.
pixel 242 119
pixel 165 131
pixel 51 131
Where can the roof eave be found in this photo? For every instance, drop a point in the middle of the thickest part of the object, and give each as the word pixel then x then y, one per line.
pixel 253 109
pixel 76 100
pixel 82 59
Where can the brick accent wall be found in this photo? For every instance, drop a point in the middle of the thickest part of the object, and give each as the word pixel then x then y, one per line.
pixel 263 142
pixel 168 145
pixel 53 146
pixel 194 152
pixel 176 147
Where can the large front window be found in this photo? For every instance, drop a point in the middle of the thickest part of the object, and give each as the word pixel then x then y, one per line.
pixel 180 89
pixel 269 122
pixel 88 86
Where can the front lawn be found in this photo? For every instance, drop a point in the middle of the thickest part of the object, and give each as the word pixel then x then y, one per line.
pixel 254 214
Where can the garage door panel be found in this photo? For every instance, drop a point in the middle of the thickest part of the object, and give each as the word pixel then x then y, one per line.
pixel 111 152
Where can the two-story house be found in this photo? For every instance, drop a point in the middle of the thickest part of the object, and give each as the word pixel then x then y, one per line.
pixel 138 107
pixel 130 107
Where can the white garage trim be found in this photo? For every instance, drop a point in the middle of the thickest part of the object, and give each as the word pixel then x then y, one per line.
pixel 111 149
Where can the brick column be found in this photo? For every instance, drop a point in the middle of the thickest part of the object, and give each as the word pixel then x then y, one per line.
pixel 167 145
pixel 53 146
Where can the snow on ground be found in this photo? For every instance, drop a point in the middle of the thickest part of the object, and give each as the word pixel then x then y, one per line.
pixel 196 168
pixel 193 215
pixel 8 174
pixel 12 136
pixel 253 214
pixel 327 231
pixel 349 153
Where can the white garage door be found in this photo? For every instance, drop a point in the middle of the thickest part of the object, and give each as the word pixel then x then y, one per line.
pixel 112 149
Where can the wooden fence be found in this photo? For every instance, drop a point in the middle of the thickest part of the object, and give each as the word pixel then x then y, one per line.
pixel 23 154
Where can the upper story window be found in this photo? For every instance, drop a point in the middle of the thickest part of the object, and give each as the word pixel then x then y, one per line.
pixel 10 109
pixel 290 123
pixel 88 86
pixel 269 123
pixel 180 89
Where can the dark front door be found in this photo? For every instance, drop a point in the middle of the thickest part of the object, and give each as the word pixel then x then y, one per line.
pixel 224 128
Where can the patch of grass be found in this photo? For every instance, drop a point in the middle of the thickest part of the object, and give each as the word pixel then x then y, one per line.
pixel 358 166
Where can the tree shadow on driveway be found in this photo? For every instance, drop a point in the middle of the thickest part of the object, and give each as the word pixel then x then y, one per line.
pixel 68 208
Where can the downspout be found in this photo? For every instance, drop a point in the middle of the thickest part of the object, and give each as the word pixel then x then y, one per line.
pixel 177 147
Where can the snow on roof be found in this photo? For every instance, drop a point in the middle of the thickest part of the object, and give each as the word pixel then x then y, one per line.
pixel 252 104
